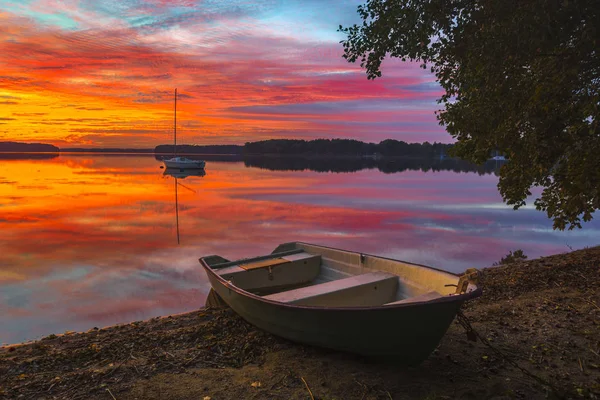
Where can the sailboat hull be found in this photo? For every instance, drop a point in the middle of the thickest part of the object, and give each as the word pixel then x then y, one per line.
pixel 184 163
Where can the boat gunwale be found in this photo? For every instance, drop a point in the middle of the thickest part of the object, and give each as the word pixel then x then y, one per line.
pixel 381 258
pixel 445 299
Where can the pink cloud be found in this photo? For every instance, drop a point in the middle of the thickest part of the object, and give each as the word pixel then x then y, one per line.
pixel 122 68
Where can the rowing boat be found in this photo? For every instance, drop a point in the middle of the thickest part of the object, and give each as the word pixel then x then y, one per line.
pixel 343 300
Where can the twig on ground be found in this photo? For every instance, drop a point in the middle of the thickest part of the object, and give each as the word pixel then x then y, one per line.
pixel 279 381
pixel 191 360
pixel 307 388
pixel 111 395
pixel 114 370
pixel 592 303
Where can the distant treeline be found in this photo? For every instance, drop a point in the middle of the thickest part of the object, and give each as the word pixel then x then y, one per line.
pixel 197 149
pixel 205 157
pixel 318 147
pixel 15 147
pixel 346 147
pixel 105 150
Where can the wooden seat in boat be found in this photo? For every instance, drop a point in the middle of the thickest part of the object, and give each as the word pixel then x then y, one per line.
pixel 263 263
pixel 286 270
pixel 218 262
pixel 374 288
pixel 423 297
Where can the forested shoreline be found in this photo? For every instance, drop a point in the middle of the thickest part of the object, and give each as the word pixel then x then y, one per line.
pixel 295 147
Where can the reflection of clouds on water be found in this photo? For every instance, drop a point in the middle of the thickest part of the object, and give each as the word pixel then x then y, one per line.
pixel 81 297
pixel 98 248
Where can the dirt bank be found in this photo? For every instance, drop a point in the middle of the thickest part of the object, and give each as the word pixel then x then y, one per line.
pixel 544 315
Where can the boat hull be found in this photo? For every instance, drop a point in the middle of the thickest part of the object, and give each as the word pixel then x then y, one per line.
pixel 408 333
pixel 184 165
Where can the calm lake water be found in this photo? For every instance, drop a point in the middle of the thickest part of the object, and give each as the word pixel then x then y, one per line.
pixel 91 240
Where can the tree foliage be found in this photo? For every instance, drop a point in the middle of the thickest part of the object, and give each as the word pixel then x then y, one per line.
pixel 520 77
pixel 512 257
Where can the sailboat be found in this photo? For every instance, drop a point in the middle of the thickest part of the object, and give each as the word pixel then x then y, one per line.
pixel 498 157
pixel 181 162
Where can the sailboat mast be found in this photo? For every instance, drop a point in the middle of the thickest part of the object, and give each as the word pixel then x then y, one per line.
pixel 175 125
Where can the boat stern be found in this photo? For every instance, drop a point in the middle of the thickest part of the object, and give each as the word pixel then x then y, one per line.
pixel 211 260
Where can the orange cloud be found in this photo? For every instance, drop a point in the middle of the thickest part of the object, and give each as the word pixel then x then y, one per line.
pixel 109 86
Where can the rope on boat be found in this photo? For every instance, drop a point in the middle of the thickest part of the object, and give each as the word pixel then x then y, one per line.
pixel 473 335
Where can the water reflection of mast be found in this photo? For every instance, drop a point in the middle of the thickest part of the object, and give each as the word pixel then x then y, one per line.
pixel 176 174
pixel 177 210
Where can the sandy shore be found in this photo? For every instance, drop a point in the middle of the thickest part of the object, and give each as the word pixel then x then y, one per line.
pixel 541 319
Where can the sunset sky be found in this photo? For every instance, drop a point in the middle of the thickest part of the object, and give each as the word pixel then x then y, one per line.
pixel 87 73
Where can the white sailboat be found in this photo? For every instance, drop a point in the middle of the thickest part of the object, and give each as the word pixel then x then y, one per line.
pixel 181 162
pixel 498 157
